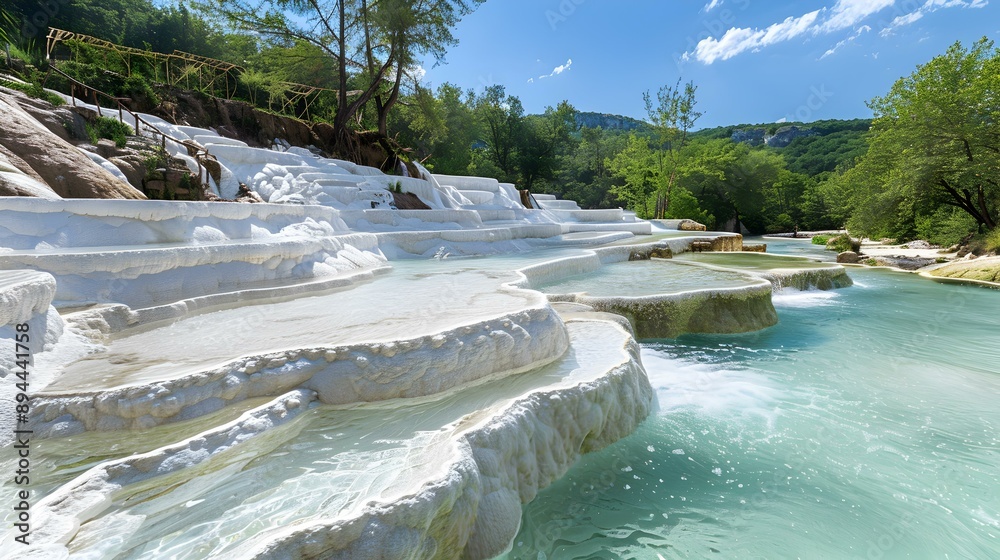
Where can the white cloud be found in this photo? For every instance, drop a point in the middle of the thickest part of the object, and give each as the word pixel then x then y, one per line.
pixel 844 14
pixel 531 80
pixel 901 21
pixel 712 5
pixel 788 29
pixel 558 70
pixel 738 40
pixel 848 13
pixel 929 7
pixel 835 48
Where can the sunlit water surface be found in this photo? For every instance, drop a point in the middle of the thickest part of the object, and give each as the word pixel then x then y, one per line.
pixel 646 278
pixel 864 425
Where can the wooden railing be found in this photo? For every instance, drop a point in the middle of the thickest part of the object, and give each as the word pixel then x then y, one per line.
pixel 176 67
pixel 196 151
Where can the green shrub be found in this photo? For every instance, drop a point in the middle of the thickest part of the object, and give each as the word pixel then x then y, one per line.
pixel 137 87
pixel 112 129
pixel 783 223
pixel 32 90
pixel 947 226
pixel 155 161
pixel 992 241
pixel 820 239
pixel 842 243
pixel 984 243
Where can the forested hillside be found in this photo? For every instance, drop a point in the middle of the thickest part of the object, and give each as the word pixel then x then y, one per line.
pixel 770 177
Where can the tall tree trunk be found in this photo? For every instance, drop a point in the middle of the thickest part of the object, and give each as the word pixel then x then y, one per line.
pixel 340 119
pixel 343 143
pixel 384 108
pixel 985 210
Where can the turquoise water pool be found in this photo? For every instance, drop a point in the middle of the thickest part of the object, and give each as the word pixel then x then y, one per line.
pixel 864 425
pixel 646 278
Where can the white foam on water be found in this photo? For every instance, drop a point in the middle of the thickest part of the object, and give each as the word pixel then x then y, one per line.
pixel 790 298
pixel 709 389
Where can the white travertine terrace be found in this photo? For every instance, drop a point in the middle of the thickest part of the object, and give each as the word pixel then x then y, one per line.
pixel 347 350
pixel 449 483
pixel 286 387
pixel 144 253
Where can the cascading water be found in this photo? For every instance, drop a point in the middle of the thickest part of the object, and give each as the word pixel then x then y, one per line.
pixel 863 425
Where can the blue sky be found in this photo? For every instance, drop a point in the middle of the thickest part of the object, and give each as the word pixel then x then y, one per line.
pixel 753 61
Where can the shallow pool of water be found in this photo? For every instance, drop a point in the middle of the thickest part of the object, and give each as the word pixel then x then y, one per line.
pixel 646 278
pixel 752 261
pixel 864 425
pixel 327 465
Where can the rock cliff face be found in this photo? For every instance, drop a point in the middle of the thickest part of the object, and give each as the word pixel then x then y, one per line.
pixel 780 139
pixel 48 165
pixel 752 136
pixel 784 136
pixel 234 119
pixel 608 122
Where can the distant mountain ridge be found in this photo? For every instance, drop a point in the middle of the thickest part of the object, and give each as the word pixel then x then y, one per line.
pixel 779 135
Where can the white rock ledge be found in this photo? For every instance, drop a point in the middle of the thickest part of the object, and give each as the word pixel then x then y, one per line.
pixel 710 310
pixel 473 509
pixel 24 294
pixel 58 516
pixel 358 373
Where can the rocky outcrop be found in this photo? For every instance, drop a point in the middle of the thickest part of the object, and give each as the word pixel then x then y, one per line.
pixel 50 160
pixel 786 134
pixel 61 121
pixel 899 261
pixel 984 269
pixel 848 257
pixel 17 178
pixel 727 244
pixel 723 311
pixel 681 225
pixel 234 119
pixel 752 136
pixel 780 139
pixel 609 122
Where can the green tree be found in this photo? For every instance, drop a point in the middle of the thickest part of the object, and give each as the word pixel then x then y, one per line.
pixel 453 152
pixel 438 128
pixel 636 166
pixel 671 117
pixel 388 34
pixel 582 172
pixel 734 182
pixel 502 119
pixel 399 31
pixel 543 139
pixel 935 141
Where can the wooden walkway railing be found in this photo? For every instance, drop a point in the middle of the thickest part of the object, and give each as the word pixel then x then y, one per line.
pixel 196 151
